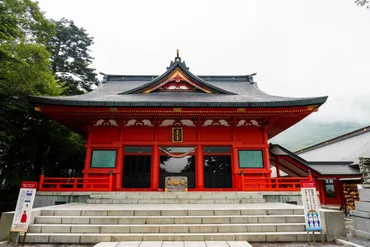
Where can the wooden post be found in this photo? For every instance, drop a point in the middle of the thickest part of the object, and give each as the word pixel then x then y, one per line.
pixel 309 175
pixel 41 181
pixel 199 168
pixel 199 160
pixel 155 168
pixel 242 180
pixel 110 181
pixel 75 183
pixel 119 166
pixel 87 166
pixel 237 183
pixel 265 153
pixel 277 167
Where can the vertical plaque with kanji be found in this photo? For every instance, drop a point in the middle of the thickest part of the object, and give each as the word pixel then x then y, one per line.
pixel 177 134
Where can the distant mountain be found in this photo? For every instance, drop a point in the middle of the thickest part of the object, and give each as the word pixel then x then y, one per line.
pixel 308 133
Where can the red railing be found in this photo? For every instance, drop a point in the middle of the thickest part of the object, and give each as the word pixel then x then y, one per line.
pixel 272 184
pixel 76 184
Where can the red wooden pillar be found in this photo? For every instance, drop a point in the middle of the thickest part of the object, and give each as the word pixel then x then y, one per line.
pixel 154 180
pixel 119 166
pixel 237 179
pixel 337 190
pixel 87 164
pixel 88 154
pixel 322 191
pixel 199 160
pixel 199 170
pixel 266 155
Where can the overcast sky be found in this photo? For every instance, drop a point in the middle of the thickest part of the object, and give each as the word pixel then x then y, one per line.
pixel 298 48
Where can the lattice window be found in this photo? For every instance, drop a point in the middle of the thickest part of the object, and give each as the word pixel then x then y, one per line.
pixel 216 149
pixel 137 149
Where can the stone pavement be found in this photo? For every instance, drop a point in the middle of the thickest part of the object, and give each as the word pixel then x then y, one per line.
pixel 175 244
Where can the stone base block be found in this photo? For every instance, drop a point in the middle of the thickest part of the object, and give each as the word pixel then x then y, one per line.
pixel 361 224
pixel 364 195
pixel 362 206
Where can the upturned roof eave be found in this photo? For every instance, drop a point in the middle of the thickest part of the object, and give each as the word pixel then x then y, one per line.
pixel 39 100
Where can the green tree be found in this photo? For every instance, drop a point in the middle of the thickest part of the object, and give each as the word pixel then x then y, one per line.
pixel 70 57
pixel 30 142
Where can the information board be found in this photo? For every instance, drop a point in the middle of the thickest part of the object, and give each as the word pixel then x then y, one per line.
pixel 23 210
pixel 311 206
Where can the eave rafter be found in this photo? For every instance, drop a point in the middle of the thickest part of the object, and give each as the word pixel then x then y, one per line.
pixel 106 111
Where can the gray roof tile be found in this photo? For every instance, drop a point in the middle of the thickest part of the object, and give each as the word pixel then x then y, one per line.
pixel 233 91
pixel 322 167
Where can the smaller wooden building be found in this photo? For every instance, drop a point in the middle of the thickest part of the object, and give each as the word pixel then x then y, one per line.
pixel 336 181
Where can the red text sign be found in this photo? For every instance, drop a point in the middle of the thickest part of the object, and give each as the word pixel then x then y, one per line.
pixel 29 185
pixel 307 184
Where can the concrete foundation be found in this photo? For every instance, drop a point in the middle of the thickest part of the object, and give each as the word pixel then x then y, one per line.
pixel 361 216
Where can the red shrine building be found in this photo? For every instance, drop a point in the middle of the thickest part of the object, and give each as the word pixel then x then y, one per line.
pixel 214 130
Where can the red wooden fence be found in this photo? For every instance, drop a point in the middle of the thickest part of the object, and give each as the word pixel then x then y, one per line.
pixel 76 184
pixel 272 184
pixel 106 183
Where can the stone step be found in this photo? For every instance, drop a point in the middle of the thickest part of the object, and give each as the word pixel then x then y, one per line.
pixel 219 219
pixel 93 238
pixel 176 201
pixel 167 228
pixel 178 195
pixel 171 212
pixel 175 244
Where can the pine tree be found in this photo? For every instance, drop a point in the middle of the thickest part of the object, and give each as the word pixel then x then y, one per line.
pixel 71 59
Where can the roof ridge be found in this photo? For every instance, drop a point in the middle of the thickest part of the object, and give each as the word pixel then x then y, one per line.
pixel 175 67
pixel 348 135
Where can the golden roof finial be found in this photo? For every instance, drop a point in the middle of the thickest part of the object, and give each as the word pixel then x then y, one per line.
pixel 177 52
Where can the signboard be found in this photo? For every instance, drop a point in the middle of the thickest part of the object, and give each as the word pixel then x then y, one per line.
pixel 22 214
pixel 311 206
pixel 176 184
pixel 177 134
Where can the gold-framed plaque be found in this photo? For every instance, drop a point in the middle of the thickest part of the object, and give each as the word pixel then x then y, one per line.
pixel 177 134
pixel 176 184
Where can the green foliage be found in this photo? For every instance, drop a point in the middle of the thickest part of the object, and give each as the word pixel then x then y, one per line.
pixel 29 141
pixel 23 19
pixel 70 57
pixel 8 24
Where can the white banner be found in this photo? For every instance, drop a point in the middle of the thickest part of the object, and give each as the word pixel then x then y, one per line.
pixel 23 210
pixel 311 205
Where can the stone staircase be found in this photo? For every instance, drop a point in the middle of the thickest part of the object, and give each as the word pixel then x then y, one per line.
pixel 104 220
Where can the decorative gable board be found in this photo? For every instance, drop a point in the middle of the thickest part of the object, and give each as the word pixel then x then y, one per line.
pixel 178 81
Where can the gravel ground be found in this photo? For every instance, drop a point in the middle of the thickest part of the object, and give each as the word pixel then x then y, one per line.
pixel 295 245
pixel 46 245
pixel 359 241
pixel 253 244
